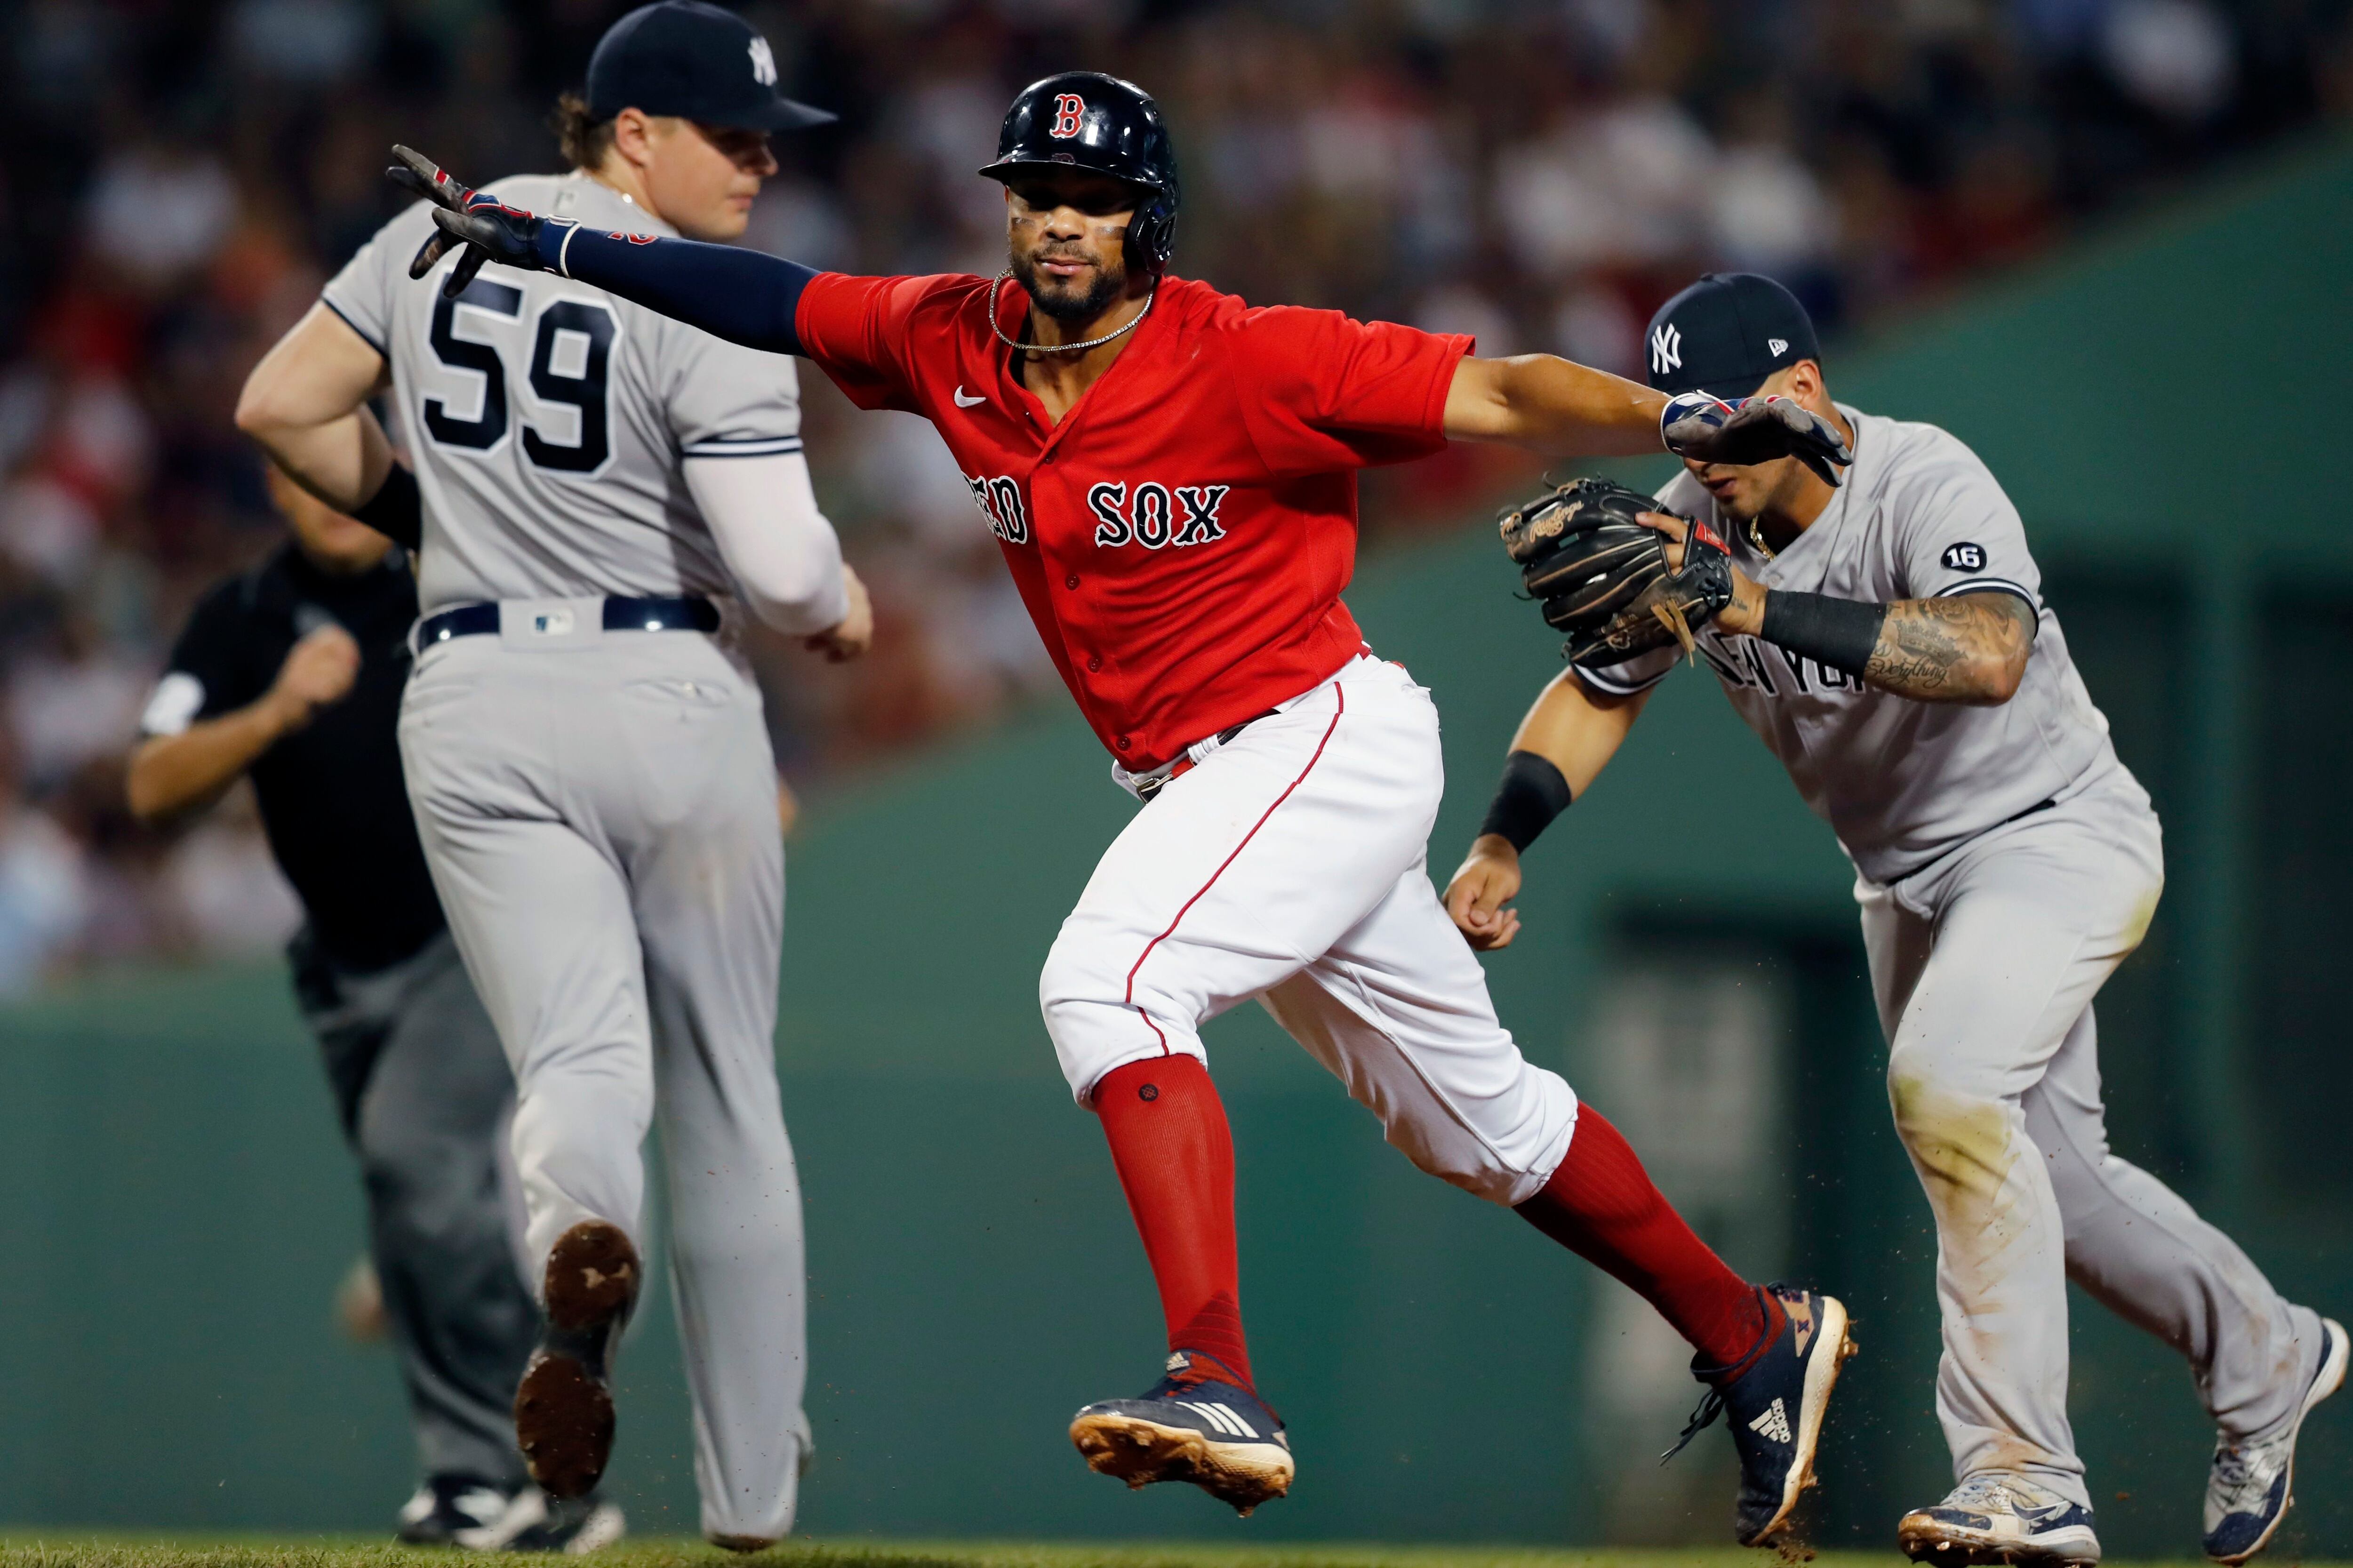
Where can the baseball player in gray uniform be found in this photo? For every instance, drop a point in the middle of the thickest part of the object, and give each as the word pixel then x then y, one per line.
pixel 600 489
pixel 1887 639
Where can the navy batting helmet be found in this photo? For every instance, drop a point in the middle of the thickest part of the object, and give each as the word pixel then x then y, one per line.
pixel 1086 119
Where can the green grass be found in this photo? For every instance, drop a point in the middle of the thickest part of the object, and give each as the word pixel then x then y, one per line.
pixel 24 1549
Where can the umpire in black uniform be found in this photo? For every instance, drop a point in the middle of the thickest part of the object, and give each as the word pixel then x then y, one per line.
pixel 292 672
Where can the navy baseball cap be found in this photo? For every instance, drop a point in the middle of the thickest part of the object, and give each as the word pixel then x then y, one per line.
pixel 696 61
pixel 1725 334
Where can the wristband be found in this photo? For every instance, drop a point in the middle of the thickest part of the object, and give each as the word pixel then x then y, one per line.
pixel 1530 794
pixel 396 510
pixel 1840 633
pixel 549 241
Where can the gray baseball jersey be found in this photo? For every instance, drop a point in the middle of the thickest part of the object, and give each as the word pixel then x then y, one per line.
pixel 599 810
pixel 551 421
pixel 1900 782
pixel 1989 927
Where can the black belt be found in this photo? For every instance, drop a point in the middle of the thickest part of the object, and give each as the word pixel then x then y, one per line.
pixel 1152 784
pixel 621 615
pixel 2044 804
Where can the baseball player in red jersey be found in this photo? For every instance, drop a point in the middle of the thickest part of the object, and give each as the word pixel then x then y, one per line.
pixel 1172 477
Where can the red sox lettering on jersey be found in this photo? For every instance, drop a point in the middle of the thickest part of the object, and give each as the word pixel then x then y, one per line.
pixel 1160 515
pixel 1183 536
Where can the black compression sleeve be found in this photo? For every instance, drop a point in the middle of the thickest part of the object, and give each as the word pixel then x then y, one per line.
pixel 1531 795
pixel 1840 633
pixel 730 293
pixel 396 510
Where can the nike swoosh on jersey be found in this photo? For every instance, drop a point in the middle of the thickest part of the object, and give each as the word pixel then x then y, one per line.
pixel 964 402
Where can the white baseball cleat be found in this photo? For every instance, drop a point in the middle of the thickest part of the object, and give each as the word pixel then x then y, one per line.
pixel 534 1521
pixel 1999 1518
pixel 2252 1484
pixel 448 1505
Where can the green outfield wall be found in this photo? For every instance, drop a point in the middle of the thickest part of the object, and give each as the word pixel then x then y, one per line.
pixel 175 1209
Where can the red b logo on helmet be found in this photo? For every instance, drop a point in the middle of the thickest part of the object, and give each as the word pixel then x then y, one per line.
pixel 1070 110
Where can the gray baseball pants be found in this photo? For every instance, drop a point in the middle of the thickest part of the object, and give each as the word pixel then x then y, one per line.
pixel 1984 965
pixel 599 811
pixel 423 1092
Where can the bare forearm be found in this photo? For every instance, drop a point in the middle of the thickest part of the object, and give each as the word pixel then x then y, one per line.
pixel 1578 729
pixel 1551 405
pixel 1972 648
pixel 342 462
pixel 173 774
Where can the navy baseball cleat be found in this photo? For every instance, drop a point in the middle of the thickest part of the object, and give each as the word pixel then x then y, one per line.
pixel 1195 1425
pixel 1999 1518
pixel 1775 1404
pixel 2252 1482
pixel 564 1409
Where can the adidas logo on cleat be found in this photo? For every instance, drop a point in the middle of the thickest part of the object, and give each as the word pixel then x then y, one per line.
pixel 1773 1423
pixel 1221 1416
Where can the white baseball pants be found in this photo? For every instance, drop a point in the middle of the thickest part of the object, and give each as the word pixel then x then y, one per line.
pixel 599 811
pixel 1290 867
pixel 1984 965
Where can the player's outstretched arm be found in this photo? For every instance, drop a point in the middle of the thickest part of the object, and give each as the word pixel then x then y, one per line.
pixel 1560 748
pixel 170 775
pixel 741 295
pixel 1551 405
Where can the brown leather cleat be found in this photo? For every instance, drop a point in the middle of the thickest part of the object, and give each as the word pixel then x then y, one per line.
pixel 564 1409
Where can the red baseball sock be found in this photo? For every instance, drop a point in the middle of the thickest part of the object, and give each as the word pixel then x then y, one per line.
pixel 1601 1206
pixel 1175 1158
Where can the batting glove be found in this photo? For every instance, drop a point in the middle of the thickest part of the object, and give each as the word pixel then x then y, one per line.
pixel 1754 430
pixel 487 227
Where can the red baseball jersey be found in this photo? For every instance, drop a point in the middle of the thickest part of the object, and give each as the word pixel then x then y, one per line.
pixel 1183 536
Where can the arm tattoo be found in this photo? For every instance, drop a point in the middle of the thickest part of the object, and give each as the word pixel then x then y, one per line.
pixel 1971 648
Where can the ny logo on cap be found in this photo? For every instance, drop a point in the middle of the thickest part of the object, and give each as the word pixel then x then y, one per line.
pixel 1779 345
pixel 1666 348
pixel 764 62
pixel 1070 112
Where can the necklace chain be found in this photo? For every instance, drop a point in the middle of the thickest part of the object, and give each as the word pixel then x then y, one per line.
pixel 1134 321
pixel 1756 538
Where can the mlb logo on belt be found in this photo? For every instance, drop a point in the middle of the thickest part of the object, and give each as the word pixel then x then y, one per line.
pixel 552 622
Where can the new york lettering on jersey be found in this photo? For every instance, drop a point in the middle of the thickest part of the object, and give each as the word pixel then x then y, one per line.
pixel 1769 668
pixel 1901 781
pixel 1183 536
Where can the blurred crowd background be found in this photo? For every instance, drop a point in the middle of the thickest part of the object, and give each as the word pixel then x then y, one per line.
pixel 176 179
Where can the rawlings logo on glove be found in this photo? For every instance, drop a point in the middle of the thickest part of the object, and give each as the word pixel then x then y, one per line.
pixel 1603 577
